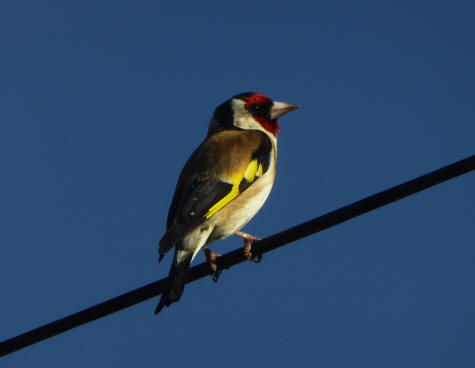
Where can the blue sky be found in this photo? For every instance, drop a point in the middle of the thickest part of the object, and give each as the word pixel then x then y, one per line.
pixel 103 101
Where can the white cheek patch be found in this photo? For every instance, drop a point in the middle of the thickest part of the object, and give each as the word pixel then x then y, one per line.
pixel 242 118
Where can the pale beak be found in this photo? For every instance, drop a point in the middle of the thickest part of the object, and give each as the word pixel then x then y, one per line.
pixel 281 108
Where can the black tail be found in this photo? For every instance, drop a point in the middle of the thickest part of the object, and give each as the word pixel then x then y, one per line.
pixel 176 279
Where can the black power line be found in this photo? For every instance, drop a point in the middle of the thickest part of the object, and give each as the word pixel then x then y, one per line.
pixel 237 256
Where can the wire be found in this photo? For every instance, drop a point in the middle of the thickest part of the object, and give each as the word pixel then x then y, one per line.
pixel 237 256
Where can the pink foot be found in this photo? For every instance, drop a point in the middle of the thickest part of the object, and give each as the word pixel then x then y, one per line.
pixel 248 242
pixel 211 259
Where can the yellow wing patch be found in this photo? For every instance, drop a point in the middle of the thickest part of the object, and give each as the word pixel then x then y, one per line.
pixel 252 172
pixel 224 201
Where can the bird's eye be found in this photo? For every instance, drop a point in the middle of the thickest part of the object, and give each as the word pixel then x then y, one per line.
pixel 257 109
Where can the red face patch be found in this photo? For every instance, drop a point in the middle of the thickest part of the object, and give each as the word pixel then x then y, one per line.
pixel 272 127
pixel 258 100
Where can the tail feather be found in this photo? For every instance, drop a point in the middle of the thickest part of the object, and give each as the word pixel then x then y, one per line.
pixel 176 279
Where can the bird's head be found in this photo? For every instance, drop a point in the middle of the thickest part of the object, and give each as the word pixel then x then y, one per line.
pixel 250 111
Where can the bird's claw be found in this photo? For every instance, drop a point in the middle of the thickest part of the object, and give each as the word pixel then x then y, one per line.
pixel 248 242
pixel 257 259
pixel 211 259
pixel 248 254
pixel 215 275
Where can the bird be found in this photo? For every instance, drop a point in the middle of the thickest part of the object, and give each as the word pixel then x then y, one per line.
pixel 223 185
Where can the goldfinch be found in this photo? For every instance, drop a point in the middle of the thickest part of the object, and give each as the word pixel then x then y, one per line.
pixel 223 185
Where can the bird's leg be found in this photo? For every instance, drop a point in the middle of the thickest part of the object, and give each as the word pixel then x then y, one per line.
pixel 248 241
pixel 211 259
